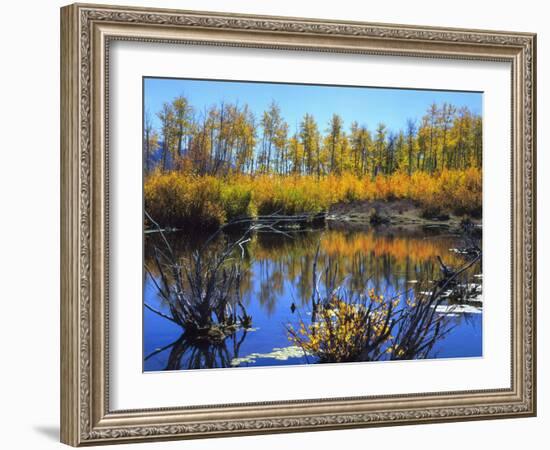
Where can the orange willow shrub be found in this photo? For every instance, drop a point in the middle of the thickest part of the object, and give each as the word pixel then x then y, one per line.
pixel 469 193
pixel 459 191
pixel 290 195
pixel 454 190
pixel 181 199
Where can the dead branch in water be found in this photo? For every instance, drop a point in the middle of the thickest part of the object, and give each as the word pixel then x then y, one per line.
pixel 203 291
pixel 360 325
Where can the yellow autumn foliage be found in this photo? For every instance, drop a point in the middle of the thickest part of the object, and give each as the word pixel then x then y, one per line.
pixel 345 331
pixel 180 198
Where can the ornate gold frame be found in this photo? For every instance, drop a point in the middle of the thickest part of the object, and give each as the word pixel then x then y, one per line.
pixel 86 31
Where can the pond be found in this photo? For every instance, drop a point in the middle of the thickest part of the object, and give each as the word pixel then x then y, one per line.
pixel 276 289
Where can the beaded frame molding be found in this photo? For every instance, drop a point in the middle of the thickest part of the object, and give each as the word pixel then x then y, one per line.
pixel 86 34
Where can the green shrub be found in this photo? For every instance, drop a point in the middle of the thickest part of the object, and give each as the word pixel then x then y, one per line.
pixel 237 201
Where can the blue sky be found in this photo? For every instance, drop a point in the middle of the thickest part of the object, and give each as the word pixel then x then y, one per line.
pixel 368 106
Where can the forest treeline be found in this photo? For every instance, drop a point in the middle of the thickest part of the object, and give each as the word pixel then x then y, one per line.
pixel 229 138
pixel 208 167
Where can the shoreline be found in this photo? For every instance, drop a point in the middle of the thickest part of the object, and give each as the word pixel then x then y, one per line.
pixel 365 215
pixel 393 213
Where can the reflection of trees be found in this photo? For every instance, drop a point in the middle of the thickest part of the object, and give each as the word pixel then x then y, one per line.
pixel 305 265
pixel 350 324
pixel 202 290
pixel 271 283
pixel 389 262
pixel 191 353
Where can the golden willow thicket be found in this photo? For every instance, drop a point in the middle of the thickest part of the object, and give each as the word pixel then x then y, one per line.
pixel 209 167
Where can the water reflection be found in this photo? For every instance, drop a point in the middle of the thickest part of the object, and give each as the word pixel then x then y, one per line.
pixel 276 288
pixel 190 353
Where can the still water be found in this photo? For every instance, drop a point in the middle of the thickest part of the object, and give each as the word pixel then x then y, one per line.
pixel 276 289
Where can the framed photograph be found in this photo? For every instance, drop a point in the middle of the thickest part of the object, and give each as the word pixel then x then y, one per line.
pixel 276 224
